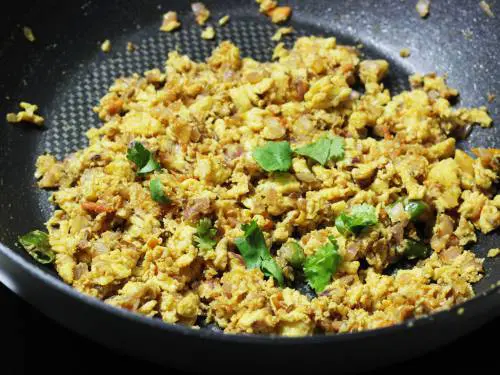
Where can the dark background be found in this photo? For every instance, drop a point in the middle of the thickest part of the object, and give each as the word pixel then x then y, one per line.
pixel 35 344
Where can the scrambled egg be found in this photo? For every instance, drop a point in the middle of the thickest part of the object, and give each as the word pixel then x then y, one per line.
pixel 27 115
pixel 201 121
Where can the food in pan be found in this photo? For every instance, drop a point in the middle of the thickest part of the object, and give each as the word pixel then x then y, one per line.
pixel 28 34
pixel 270 8
pixel 201 13
pixel 170 22
pixel 423 7
pixel 106 46
pixel 26 115
pixel 282 31
pixel 208 33
pixel 223 20
pixel 273 197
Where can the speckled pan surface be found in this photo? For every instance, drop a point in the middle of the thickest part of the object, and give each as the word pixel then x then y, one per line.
pixel 65 72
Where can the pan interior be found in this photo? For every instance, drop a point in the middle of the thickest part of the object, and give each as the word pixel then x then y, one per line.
pixel 66 73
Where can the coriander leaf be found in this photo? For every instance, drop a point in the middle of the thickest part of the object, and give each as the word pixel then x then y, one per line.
pixel 360 217
pixel 152 165
pixel 252 247
pixel 342 222
pixel 324 149
pixel 142 158
pixel 337 148
pixel 138 154
pixel 274 156
pixel 271 268
pixel 157 192
pixel 319 267
pixel 318 151
pixel 36 243
pixel 205 235
pixel 363 215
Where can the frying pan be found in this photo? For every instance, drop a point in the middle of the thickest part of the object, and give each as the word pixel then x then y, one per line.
pixel 65 73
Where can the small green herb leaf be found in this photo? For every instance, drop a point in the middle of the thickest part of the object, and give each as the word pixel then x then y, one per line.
pixel 252 247
pixel 36 243
pixel 271 268
pixel 204 238
pixel 324 149
pixel 360 217
pixel 274 156
pixel 157 192
pixel 142 158
pixel 319 267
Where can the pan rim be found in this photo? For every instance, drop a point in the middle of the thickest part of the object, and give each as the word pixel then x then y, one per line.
pixel 57 284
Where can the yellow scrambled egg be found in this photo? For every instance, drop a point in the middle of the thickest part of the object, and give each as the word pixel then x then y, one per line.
pixel 202 121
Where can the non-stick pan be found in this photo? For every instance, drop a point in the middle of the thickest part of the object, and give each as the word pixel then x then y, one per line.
pixel 65 72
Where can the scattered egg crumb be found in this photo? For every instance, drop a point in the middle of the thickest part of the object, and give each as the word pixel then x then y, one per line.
pixel 493 252
pixel 423 8
pixel 201 13
pixel 28 34
pixel 281 32
pixel 208 33
pixel 404 52
pixel 486 9
pixel 266 5
pixel 280 14
pixel 461 311
pixel 277 13
pixel 106 46
pixel 131 47
pixel 224 20
pixel 170 22
pixel 26 115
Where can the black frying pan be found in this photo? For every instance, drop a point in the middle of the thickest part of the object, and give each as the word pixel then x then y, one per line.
pixel 65 73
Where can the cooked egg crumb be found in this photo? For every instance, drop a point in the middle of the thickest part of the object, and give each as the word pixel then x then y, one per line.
pixel 131 47
pixel 201 13
pixel 27 115
pixel 223 20
pixel 423 7
pixel 28 34
pixel 282 31
pixel 280 14
pixel 208 33
pixel 266 5
pixel 493 252
pixel 170 22
pixel 486 9
pixel 106 46
pixel 404 52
